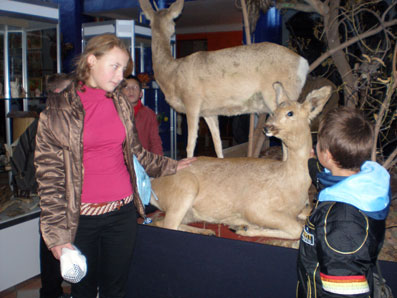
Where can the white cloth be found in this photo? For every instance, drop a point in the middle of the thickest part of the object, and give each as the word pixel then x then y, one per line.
pixel 73 265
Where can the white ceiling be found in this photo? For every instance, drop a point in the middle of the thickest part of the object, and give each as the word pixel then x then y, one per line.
pixel 197 16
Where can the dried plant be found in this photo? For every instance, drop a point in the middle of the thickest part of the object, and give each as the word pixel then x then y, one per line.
pixel 360 39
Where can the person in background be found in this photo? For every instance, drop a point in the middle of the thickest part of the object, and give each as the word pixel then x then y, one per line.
pixel 50 271
pixel 145 119
pixel 345 231
pixel 87 185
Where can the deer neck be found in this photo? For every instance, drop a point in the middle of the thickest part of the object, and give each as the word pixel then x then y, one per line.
pixel 298 151
pixel 163 62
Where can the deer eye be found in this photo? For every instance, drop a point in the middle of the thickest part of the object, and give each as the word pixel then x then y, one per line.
pixel 290 114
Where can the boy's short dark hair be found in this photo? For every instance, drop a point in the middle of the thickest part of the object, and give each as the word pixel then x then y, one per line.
pixel 348 135
pixel 53 81
pixel 136 79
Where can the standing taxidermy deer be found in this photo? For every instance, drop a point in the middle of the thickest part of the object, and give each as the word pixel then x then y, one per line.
pixel 262 195
pixel 228 82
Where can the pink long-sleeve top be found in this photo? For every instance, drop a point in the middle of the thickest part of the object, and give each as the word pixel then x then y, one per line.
pixel 106 177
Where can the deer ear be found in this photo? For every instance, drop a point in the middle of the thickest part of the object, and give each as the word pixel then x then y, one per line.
pixel 176 8
pixel 147 8
pixel 280 92
pixel 316 100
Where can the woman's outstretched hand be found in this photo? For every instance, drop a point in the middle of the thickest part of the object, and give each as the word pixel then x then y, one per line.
pixel 183 163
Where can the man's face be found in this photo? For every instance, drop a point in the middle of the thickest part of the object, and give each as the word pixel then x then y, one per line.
pixel 132 91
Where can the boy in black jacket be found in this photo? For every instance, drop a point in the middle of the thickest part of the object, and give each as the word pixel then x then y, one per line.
pixel 343 235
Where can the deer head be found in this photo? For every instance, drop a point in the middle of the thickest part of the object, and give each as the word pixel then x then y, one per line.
pixel 291 119
pixel 165 19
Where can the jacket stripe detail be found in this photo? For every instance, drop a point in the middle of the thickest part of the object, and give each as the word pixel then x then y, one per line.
pixel 345 285
pixel 314 280
pixel 345 252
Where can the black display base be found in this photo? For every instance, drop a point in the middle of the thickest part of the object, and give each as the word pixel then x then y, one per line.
pixel 173 264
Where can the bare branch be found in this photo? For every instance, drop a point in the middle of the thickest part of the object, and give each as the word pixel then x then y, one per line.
pixel 295 6
pixel 391 160
pixel 319 6
pixel 252 116
pixel 324 56
pixel 393 85
pixel 311 6
pixel 380 118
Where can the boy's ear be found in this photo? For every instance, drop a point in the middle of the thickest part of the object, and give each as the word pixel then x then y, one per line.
pixel 329 155
pixel 316 100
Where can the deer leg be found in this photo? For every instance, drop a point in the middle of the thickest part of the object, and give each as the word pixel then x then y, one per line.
pixel 276 225
pixel 176 195
pixel 259 136
pixel 202 231
pixel 213 125
pixel 192 127
pixel 185 228
pixel 285 152
pixel 305 211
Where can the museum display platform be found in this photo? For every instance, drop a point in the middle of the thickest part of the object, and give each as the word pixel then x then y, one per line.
pixel 176 264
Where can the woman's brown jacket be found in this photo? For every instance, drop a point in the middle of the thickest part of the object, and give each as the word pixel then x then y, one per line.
pixel 59 168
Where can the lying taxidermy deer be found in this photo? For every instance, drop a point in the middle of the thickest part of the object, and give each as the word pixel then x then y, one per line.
pixel 262 195
pixel 230 81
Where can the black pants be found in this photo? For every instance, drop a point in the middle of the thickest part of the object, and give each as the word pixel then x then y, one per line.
pixel 51 278
pixel 107 241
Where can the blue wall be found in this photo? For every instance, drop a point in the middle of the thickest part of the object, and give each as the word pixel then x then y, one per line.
pixel 268 28
pixel 71 17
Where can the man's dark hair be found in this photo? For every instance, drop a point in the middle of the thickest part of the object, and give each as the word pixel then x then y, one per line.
pixel 348 135
pixel 136 79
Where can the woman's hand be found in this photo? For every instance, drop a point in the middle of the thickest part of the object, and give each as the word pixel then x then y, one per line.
pixel 57 250
pixel 183 163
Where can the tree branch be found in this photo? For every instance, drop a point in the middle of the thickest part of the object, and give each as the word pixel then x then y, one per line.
pixel 320 7
pixel 391 160
pixel 311 6
pixel 295 6
pixel 327 54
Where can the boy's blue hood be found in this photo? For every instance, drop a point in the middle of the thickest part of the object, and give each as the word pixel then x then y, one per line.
pixel 368 190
